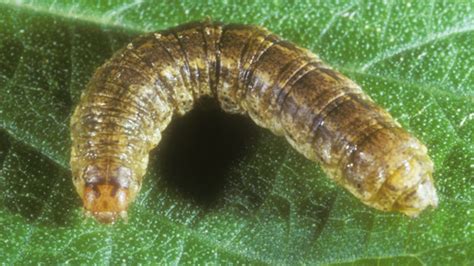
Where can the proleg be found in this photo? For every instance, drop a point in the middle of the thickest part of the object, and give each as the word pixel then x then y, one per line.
pixel 131 99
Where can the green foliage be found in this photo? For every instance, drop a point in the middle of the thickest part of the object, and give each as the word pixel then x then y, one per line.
pixel 262 203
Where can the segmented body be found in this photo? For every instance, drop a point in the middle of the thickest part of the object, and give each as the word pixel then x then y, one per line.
pixel 132 98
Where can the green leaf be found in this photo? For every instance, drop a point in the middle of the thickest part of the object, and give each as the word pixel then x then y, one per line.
pixel 262 202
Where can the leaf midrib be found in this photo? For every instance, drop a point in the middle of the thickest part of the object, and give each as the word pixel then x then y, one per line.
pixel 95 20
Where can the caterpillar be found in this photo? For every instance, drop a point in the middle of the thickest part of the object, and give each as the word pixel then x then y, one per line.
pixel 131 99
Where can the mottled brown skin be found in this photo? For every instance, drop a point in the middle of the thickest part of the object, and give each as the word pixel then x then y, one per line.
pixel 132 98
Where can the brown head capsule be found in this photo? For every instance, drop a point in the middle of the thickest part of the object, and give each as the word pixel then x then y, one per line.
pixel 324 115
pixel 106 190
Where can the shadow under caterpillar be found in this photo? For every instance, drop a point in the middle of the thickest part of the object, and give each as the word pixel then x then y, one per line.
pixel 324 115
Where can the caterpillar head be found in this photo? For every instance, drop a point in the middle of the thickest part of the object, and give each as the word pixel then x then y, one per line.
pixel 106 192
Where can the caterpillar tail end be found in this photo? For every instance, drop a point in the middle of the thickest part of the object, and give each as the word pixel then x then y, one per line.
pixel 420 192
pixel 422 197
pixel 397 173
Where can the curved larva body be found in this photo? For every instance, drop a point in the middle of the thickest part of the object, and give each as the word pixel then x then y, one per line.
pixel 325 116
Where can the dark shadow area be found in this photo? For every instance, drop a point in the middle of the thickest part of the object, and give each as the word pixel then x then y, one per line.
pixel 198 150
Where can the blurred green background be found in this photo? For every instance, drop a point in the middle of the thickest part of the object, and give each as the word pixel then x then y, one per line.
pixel 249 198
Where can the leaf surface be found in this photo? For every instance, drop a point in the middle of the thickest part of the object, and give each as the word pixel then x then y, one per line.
pixel 249 198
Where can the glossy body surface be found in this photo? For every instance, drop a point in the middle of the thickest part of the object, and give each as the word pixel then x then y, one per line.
pixel 132 98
